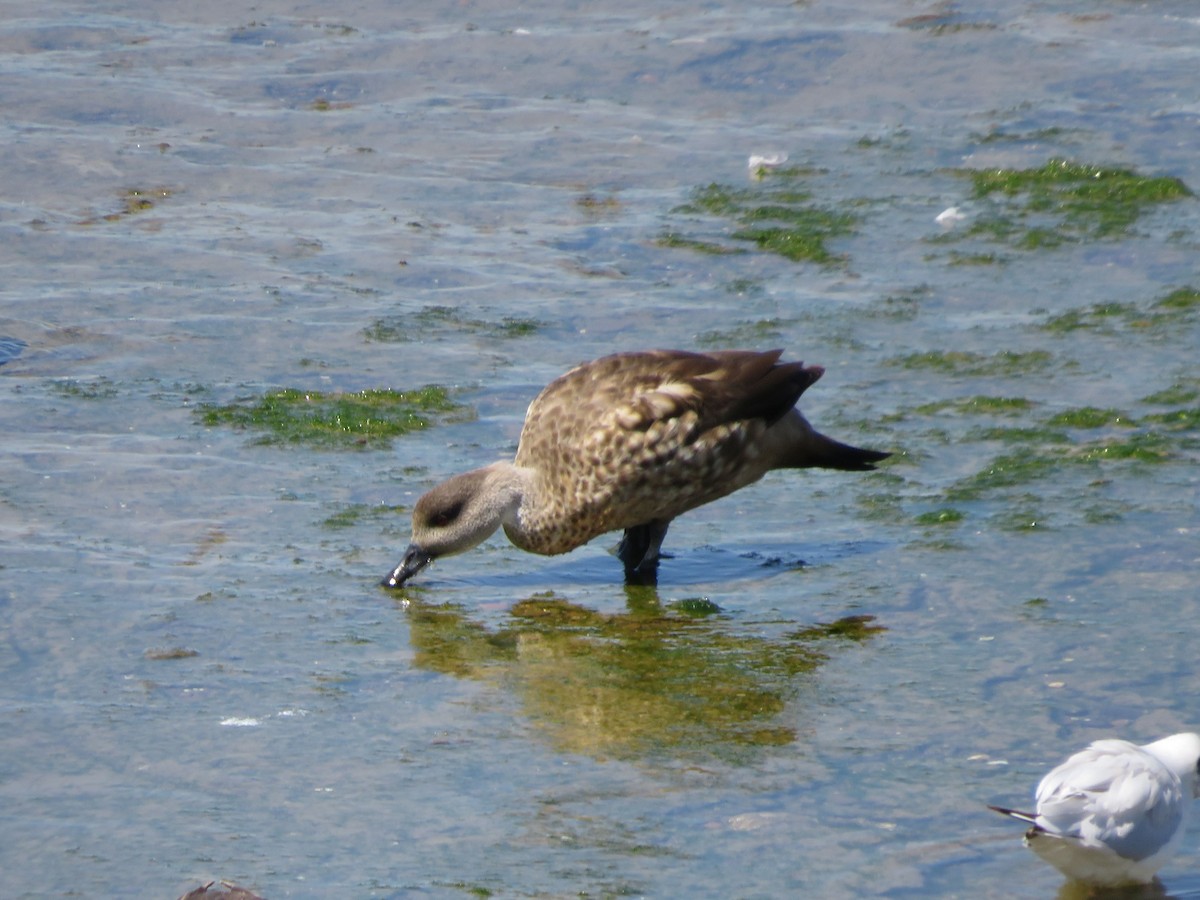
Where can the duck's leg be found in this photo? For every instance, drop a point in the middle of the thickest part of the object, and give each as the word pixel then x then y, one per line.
pixel 641 546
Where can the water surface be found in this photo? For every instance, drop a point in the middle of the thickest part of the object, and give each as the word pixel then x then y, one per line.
pixel 199 676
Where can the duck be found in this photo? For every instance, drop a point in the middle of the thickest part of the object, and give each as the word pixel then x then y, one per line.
pixel 1113 813
pixel 628 442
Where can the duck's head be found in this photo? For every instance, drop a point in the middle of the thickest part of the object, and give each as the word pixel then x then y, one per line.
pixel 457 515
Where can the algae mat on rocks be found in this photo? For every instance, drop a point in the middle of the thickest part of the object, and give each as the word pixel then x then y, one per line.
pixel 367 419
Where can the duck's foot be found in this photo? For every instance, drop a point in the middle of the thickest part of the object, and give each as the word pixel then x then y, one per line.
pixel 646 576
pixel 641 548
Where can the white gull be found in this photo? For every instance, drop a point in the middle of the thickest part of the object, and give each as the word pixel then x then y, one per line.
pixel 1113 813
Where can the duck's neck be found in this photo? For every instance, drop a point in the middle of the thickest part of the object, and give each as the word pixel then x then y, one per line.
pixel 508 488
pixel 513 499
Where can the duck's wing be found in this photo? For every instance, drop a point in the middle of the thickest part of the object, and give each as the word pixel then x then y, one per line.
pixel 634 392
pixel 740 385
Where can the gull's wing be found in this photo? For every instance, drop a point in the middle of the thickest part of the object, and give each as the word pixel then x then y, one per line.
pixel 1114 794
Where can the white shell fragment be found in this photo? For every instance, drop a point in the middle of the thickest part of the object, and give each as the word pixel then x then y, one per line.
pixel 950 217
pixel 757 161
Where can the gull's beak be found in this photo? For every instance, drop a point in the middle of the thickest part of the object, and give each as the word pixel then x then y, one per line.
pixel 415 559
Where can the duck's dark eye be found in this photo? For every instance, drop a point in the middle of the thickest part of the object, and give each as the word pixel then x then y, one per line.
pixel 445 516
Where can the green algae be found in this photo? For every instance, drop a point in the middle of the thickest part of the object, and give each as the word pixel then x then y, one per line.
pixel 903 307
pixel 1088 200
pixel 720 200
pixel 1074 442
pixel 696 607
pixel 744 287
pixel 1143 447
pixel 475 890
pixel 672 239
pixel 776 215
pixel 944 21
pixel 355 513
pixel 1090 417
pixel 435 321
pixel 963 362
pixel 1040 238
pixel 898 139
pixel 998 135
pixel 1027 517
pixel 93 389
pixel 787 173
pixel 745 334
pixel 159 654
pixel 595 205
pixel 367 419
pixel 1060 202
pixel 1097 316
pixel 1175 420
pixel 517 326
pixel 955 258
pixel 1027 434
pixel 943 516
pixel 1037 459
pixel 133 201
pixel 1178 393
pixel 880 507
pixel 1104 512
pixel 1184 299
pixel 978 405
pixel 850 628
pixel 805 243
pixel 1004 471
pixel 1178 306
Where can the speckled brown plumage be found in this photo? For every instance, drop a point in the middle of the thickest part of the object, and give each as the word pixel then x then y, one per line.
pixel 631 441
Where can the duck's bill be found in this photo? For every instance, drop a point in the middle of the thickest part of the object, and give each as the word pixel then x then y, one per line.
pixel 415 559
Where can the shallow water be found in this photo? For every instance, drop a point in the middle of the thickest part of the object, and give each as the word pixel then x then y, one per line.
pixel 199 675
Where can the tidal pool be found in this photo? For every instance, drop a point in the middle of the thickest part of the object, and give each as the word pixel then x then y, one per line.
pixel 212 208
